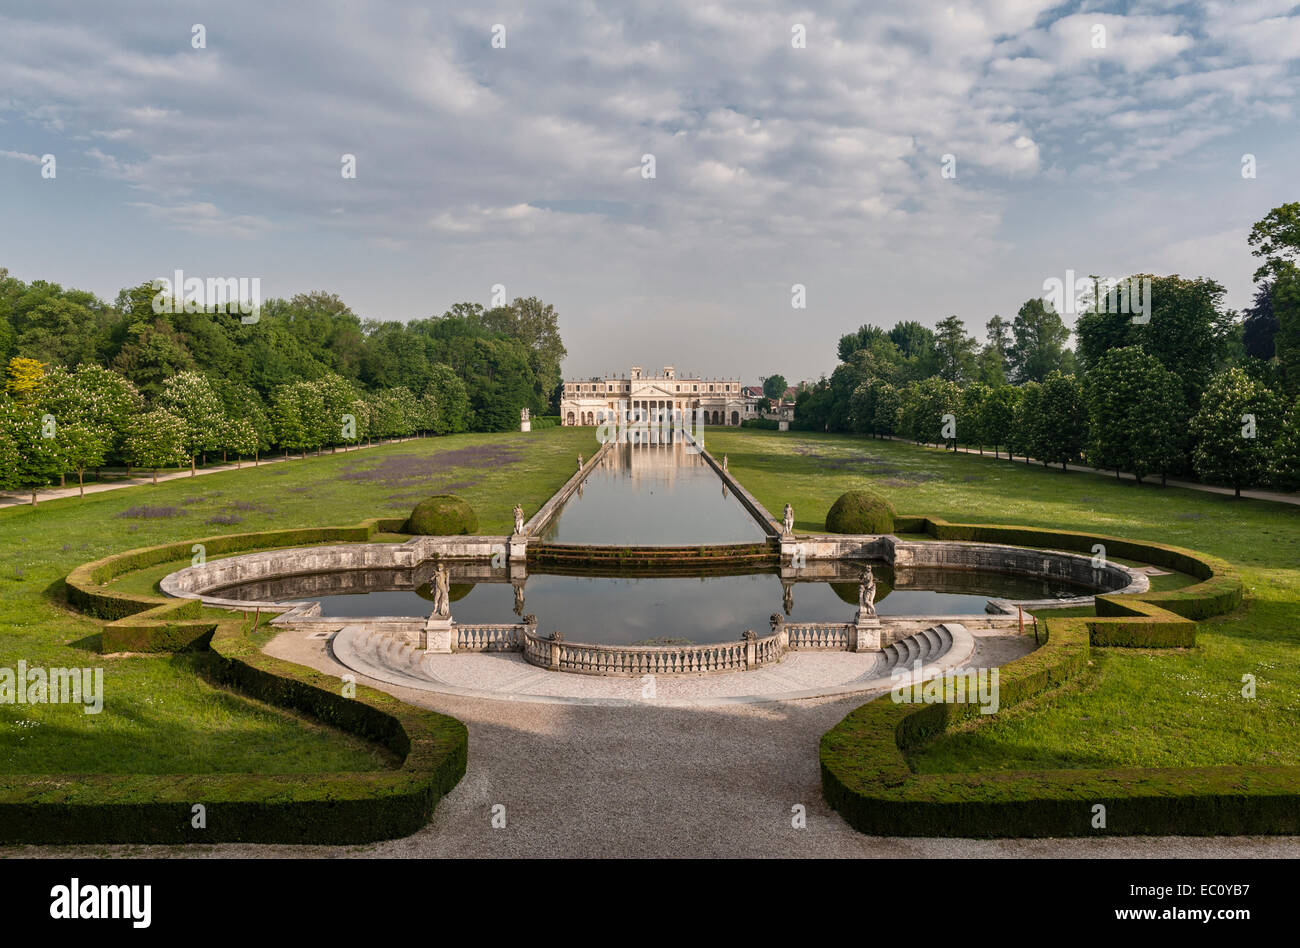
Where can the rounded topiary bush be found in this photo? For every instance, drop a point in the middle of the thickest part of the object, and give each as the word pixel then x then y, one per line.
pixel 442 515
pixel 860 511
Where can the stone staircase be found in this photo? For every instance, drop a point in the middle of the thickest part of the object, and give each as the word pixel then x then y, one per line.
pixel 928 645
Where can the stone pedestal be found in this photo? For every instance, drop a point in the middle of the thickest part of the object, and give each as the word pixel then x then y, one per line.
pixel 525 425
pixel 783 426
pixel 439 634
pixel 518 547
pixel 864 636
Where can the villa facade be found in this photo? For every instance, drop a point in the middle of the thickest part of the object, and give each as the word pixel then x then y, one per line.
pixel 591 401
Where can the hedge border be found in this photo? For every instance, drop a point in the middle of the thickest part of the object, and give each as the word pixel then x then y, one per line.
pixel 866 778
pixel 322 808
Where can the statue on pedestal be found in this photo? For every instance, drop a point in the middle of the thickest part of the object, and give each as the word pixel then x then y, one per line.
pixel 580 462
pixel 519 518
pixel 787 521
pixel 441 592
pixel 724 463
pixel 867 593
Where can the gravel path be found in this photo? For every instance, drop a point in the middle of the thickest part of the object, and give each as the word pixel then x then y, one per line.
pixel 652 781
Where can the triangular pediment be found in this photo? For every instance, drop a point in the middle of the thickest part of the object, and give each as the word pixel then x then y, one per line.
pixel 651 391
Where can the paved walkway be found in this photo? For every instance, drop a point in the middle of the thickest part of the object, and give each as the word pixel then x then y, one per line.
pixel 24 497
pixel 1275 496
pixel 655 781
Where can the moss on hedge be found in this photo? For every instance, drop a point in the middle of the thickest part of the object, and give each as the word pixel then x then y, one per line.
pixel 860 511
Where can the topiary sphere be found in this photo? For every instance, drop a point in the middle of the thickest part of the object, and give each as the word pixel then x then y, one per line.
pixel 442 515
pixel 860 511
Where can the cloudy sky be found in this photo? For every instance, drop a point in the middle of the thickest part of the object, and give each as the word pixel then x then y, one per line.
pixel 774 165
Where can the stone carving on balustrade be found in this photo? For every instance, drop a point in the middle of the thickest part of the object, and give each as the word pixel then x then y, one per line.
pixel 519 517
pixel 787 521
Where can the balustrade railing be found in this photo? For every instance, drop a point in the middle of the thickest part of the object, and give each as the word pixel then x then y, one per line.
pixel 489 637
pixel 817 635
pixel 635 660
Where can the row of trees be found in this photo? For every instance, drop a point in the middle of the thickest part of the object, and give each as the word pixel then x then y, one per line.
pixel 55 422
pixel 1192 389
pixel 1127 415
pixel 507 356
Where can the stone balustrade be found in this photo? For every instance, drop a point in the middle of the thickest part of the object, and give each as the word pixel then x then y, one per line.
pixel 835 636
pixel 637 660
pixel 489 637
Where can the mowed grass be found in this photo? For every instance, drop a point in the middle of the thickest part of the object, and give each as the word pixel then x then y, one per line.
pixel 160 715
pixel 1136 707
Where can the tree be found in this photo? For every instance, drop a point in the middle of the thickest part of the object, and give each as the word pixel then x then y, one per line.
pixel 889 401
pixel 998 415
pixel 1062 420
pixel 1284 468
pixel 1234 429
pixel 774 387
pixel 1024 431
pixel 189 397
pixel 1136 414
pixel 36 453
pixel 83 446
pixel 157 439
pixel 286 420
pixel 240 437
pixel 923 405
pixel 954 350
pixel 998 334
pixel 24 377
pixel 970 423
pixel 1038 342
pixel 1276 238
pixel 451 398
pixel 93 397
pixel 1260 324
pixel 1286 342
pixel 536 325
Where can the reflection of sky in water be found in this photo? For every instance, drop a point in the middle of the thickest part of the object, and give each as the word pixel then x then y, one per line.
pixel 711 609
pixel 653 495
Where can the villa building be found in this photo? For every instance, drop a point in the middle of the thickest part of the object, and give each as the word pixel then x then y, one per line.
pixel 591 401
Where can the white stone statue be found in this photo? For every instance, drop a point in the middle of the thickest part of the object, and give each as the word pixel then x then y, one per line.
pixel 788 520
pixel 867 593
pixel 523 414
pixel 441 592
pixel 580 462
pixel 724 462
pixel 519 520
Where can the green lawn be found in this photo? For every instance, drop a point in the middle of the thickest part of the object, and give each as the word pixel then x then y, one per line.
pixel 1136 707
pixel 160 715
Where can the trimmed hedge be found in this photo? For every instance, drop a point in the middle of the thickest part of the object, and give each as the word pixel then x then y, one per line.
pixel 1154 619
pixel 322 808
pixel 860 511
pixel 442 515
pixel 866 777
pixel 83 584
